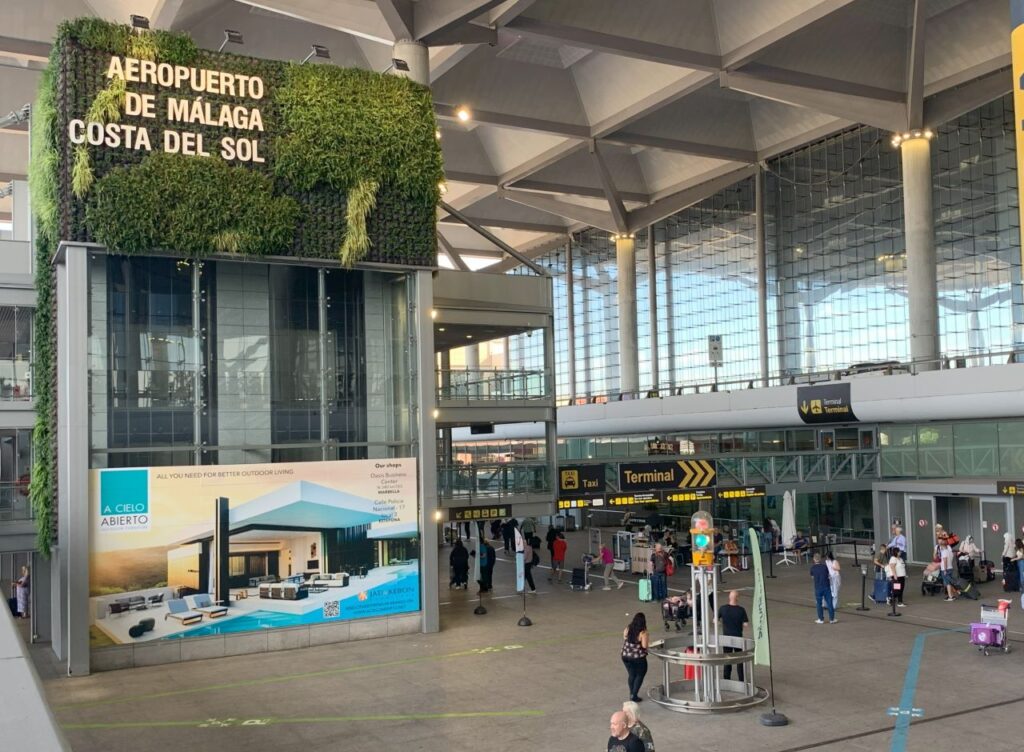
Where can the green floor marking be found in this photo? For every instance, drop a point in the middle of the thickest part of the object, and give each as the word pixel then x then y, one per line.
pixel 335 671
pixel 235 722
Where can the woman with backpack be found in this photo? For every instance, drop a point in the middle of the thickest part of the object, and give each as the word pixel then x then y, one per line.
pixel 635 642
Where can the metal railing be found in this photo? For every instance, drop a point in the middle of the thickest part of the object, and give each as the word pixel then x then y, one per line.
pixel 860 370
pixel 14 503
pixel 493 482
pixel 491 384
pixel 800 468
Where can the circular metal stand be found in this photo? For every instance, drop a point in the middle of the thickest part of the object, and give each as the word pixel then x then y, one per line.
pixel 707 692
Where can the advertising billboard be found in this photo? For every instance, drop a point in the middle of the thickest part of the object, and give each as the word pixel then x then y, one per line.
pixel 290 543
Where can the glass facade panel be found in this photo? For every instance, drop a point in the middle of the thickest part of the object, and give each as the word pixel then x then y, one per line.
pixel 976 449
pixel 1011 448
pixel 225 362
pixel 15 353
pixel 935 450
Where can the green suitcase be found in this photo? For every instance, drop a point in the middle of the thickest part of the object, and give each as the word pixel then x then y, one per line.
pixel 645 589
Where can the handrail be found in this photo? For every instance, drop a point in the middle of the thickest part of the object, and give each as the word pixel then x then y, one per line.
pixel 949 361
pixel 468 384
pixel 26 718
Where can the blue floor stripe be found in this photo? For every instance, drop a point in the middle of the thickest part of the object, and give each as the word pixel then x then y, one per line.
pixel 906 706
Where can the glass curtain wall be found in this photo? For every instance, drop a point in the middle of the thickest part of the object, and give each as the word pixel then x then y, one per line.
pixel 15 353
pixel 836 265
pixel 225 362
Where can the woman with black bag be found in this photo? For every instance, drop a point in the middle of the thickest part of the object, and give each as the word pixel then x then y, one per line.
pixel 635 642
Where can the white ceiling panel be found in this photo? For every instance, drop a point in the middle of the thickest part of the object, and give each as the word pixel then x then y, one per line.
pixel 608 84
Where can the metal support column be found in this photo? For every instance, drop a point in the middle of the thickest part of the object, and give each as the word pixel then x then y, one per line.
pixel 570 314
pixel 551 426
pixel 422 336
pixel 762 273
pixel 919 226
pixel 73 453
pixel 197 361
pixel 321 307
pixel 652 283
pixel 669 307
pixel 629 367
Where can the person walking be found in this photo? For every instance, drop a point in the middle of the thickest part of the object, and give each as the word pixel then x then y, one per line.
pixel 552 533
pixel 733 617
pixel 609 564
pixel 897 573
pixel 946 568
pixel 635 642
pixel 1008 549
pixel 637 727
pixel 622 740
pixel 530 559
pixel 822 590
pixel 659 572
pixel 487 555
pixel 558 549
pixel 22 587
pixel 459 561
pixel 529 527
pixel 508 532
pixel 834 577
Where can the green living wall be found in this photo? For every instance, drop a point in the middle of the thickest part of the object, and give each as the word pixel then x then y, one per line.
pixel 349 168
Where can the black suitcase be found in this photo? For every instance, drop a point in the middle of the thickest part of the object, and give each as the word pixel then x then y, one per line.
pixel 968 590
pixel 1011 578
pixel 579 580
pixel 12 603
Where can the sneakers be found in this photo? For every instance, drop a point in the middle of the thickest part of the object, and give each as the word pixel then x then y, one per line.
pixel 621 584
pixel 606 587
pixel 901 605
pixel 950 600
pixel 819 621
pixel 833 621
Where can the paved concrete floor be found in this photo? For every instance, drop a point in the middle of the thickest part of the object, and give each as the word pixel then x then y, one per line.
pixel 485 683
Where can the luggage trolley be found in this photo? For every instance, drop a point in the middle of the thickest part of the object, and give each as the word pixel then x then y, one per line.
pixel 990 632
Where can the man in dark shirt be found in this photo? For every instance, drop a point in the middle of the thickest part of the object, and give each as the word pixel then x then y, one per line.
pixel 822 590
pixel 734 618
pixel 622 740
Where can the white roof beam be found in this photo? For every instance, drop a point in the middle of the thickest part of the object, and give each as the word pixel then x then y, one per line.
pixel 539 162
pixel 862 104
pixel 534 250
pixel 25 49
pixel 505 224
pixel 565 209
pixel 398 15
pixel 547 186
pixel 915 67
pixel 452 253
pixel 508 120
pixel 502 14
pixel 734 154
pixel 433 19
pixel 618 209
pixel 750 50
pixel 487 235
pixel 953 103
pixel 360 19
pixel 666 207
pixel 617 45
pixel 638 110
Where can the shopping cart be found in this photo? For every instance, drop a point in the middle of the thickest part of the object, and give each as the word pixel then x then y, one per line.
pixel 990 632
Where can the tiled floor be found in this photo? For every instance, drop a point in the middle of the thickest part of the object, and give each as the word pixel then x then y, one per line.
pixel 485 683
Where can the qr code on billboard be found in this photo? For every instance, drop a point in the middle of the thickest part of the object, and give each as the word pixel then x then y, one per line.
pixel 332 610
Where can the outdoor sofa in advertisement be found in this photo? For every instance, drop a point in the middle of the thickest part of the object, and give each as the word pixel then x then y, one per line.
pixel 304 543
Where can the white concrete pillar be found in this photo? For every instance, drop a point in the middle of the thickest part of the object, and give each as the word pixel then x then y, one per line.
pixel 919 229
pixel 629 368
pixel 413 56
pixel 762 274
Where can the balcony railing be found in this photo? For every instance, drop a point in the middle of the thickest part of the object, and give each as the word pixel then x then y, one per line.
pixel 491 384
pixel 14 503
pixel 466 483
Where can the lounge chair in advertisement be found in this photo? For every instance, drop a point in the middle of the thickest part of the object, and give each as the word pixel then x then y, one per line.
pixel 178 609
pixel 204 604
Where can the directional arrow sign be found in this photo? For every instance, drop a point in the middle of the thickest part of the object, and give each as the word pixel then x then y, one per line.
pixel 649 476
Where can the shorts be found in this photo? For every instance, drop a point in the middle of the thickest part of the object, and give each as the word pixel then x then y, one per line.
pixel 558 564
pixel 946 576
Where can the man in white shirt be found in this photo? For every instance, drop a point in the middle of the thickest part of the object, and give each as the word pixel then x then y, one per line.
pixel 899 540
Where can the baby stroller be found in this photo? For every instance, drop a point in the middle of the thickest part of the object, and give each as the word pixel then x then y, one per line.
pixel 990 632
pixel 580 579
pixel 931 581
pixel 674 610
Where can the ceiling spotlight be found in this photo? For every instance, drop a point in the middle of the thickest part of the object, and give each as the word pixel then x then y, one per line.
pixel 139 22
pixel 317 50
pixel 230 36
pixel 437 134
pixel 440 328
pixel 442 187
pixel 463 114
pixel 928 133
pixel 398 64
pixel 469 336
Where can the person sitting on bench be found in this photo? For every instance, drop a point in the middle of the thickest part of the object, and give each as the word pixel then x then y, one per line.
pixel 800 544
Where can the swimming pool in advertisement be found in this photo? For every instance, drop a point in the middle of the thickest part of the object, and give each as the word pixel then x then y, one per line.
pixel 397 596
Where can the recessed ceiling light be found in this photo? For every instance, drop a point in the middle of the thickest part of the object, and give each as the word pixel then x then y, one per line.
pixel 463 114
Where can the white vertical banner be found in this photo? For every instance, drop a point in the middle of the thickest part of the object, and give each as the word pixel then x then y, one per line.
pixel 759 621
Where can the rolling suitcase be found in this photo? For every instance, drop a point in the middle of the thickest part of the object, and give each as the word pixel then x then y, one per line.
pixel 880 591
pixel 988 571
pixel 1011 578
pixel 645 589
pixel 12 603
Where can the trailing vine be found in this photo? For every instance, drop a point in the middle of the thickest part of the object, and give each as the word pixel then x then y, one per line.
pixel 352 171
